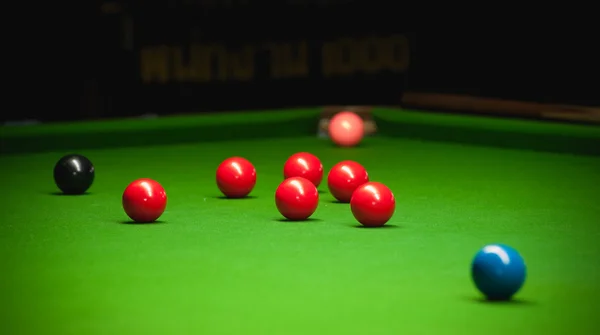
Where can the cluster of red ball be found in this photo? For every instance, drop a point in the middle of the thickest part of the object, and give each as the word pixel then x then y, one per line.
pixel 372 203
pixel 297 197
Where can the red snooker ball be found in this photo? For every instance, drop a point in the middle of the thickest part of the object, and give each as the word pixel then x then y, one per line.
pixel 306 165
pixel 344 178
pixel 236 177
pixel 297 198
pixel 346 129
pixel 144 200
pixel 373 204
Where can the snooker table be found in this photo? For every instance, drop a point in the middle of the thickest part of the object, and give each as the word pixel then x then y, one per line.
pixel 76 265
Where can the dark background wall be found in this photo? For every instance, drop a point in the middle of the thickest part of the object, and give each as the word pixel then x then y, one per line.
pixel 542 66
pixel 139 57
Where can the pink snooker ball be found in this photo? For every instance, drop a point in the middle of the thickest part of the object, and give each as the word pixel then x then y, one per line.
pixel 346 129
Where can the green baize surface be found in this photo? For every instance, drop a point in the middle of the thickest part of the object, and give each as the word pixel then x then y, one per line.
pixel 71 265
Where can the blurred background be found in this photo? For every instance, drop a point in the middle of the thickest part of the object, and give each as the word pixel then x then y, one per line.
pixel 166 57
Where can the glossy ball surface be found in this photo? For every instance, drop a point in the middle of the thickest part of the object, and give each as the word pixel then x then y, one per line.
pixel 74 174
pixel 373 204
pixel 144 200
pixel 297 198
pixel 344 178
pixel 306 165
pixel 346 129
pixel 498 271
pixel 236 177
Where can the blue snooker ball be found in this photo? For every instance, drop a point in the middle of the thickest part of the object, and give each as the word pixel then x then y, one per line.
pixel 498 271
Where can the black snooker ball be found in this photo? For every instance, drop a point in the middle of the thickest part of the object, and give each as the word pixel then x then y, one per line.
pixel 74 174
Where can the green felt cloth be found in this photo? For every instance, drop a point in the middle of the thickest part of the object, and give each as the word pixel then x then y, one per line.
pixel 214 266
